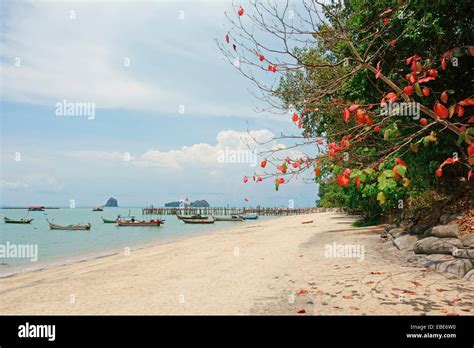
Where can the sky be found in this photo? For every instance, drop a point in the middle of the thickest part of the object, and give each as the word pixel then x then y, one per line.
pixel 164 105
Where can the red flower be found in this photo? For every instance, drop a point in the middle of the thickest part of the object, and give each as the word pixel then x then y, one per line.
pixel 295 117
pixel 439 172
pixel 246 179
pixel 262 57
pixel 424 121
pixel 240 12
pixel 426 91
pixel 263 164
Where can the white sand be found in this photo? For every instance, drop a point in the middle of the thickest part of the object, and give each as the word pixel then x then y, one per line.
pixel 254 268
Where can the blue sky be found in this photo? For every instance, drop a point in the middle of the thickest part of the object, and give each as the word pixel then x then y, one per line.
pixel 138 64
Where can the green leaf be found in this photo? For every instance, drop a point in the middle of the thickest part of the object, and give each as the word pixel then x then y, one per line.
pixel 401 169
pixel 381 198
pixel 418 90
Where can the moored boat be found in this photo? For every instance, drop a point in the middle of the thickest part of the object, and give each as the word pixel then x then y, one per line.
pixel 21 221
pixel 137 223
pixel 228 218
pixel 98 208
pixel 198 221
pixel 36 208
pixel 73 227
pixel 249 216
pixel 107 221
pixel 196 217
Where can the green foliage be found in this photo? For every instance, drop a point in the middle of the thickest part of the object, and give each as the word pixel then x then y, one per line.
pixel 427 28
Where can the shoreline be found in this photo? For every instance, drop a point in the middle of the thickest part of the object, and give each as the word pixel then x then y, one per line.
pixel 278 266
pixel 64 260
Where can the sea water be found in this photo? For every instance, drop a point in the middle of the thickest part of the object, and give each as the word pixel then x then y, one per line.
pixel 56 247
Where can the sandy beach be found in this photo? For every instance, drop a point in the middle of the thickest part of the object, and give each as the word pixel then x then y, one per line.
pixel 273 267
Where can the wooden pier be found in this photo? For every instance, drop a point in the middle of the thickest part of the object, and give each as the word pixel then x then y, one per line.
pixel 223 211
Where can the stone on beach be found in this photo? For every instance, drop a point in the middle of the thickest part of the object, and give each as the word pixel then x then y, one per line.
pixel 468 240
pixel 443 231
pixel 449 264
pixel 405 242
pixel 435 245
pixel 464 253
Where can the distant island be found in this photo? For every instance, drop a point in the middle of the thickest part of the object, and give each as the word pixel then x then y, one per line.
pixel 196 204
pixel 111 202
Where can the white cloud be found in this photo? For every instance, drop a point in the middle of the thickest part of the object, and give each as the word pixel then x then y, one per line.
pixel 172 61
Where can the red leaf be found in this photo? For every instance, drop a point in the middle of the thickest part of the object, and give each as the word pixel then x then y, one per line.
pixel 459 110
pixel 424 121
pixel 439 172
pixel 262 57
pixel 467 102
pixel 393 43
pixel 301 311
pixel 441 290
pixel 235 47
pixel 441 111
pixel 263 164
pixel 346 115
pixel 295 117
pixel 353 107
pixel 240 12
pixel 426 91
pixel 246 179
pixel 376 273
pixel 227 39
pixel 469 175
pixel 401 162
pixel 391 97
pixel 433 72
pixel 408 90
pixel 470 150
pixel 302 292
pixel 426 79
pixel 409 292
pixel 443 63
pixel 377 75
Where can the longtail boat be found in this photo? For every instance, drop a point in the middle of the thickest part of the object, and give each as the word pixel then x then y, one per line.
pixel 196 217
pixel 36 208
pixel 21 221
pixel 198 221
pixel 73 227
pixel 228 218
pixel 98 208
pixel 136 223
pixel 107 221
pixel 249 216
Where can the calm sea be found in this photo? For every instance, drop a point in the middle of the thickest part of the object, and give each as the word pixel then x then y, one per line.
pixel 60 247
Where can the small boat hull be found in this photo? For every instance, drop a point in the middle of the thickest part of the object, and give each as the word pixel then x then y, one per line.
pixel 228 218
pixel 22 221
pixel 250 217
pixel 198 221
pixel 107 221
pixel 139 223
pixel 192 217
pixel 74 227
